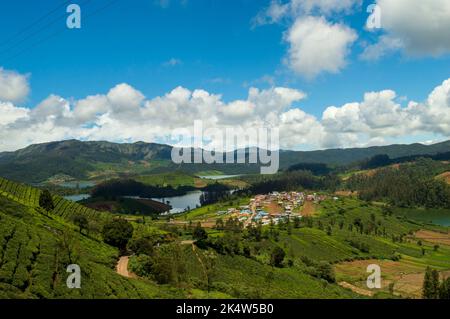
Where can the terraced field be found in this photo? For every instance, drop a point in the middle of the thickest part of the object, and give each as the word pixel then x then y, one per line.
pixel 36 248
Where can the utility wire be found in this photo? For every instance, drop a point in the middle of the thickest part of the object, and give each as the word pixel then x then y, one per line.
pixel 20 32
pixel 58 19
pixel 59 31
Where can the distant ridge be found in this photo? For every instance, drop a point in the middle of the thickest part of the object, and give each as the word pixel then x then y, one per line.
pixel 83 160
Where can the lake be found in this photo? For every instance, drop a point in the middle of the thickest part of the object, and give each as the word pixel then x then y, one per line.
pixel 215 177
pixel 430 215
pixel 181 203
pixel 77 198
pixel 434 219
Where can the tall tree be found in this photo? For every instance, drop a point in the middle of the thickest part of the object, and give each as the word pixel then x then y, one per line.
pixel 444 291
pixel 199 233
pixel 81 221
pixel 117 233
pixel 46 200
pixel 430 288
pixel 277 257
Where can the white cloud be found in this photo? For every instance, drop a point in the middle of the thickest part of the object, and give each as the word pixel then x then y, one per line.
pixel 125 98
pixel 385 45
pixel 14 87
pixel 318 46
pixel 87 109
pixel 315 44
pixel 173 62
pixel 238 110
pixel 325 7
pixel 272 14
pixel 419 28
pixel 125 114
pixel 379 117
pixel 10 113
pixel 278 10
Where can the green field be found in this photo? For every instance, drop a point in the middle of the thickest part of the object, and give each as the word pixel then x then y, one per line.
pixel 320 252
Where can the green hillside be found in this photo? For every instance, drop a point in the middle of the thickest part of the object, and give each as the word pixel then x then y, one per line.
pixel 105 160
pixel 322 253
pixel 36 248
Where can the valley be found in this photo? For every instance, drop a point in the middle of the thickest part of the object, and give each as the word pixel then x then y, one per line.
pixel 308 231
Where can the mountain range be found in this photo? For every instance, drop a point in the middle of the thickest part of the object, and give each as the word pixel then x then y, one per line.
pixel 91 159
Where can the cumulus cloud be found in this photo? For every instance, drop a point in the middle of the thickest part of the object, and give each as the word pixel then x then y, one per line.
pixel 10 113
pixel 384 46
pixel 318 46
pixel 14 87
pixel 418 28
pixel 124 114
pixel 379 117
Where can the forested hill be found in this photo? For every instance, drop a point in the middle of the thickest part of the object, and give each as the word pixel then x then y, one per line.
pixel 349 155
pixel 83 160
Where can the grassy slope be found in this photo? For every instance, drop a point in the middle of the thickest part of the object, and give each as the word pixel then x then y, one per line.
pixel 336 248
pixel 35 249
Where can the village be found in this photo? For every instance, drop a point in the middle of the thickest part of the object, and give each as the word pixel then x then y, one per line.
pixel 274 207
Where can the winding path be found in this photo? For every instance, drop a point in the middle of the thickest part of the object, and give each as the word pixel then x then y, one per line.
pixel 122 267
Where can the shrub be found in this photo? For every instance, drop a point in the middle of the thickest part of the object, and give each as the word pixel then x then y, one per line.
pixel 141 246
pixel 277 257
pixel 46 201
pixel 117 233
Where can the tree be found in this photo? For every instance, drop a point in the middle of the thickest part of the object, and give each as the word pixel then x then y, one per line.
pixel 297 222
pixel 430 288
pixel 199 233
pixel 81 221
pixel 163 270
pixel 326 271
pixel 247 251
pixel 255 232
pixel 219 224
pixel 142 246
pixel 444 291
pixel 46 201
pixel 117 233
pixel 277 257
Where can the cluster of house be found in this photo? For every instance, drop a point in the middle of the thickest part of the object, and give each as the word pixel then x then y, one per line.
pixel 273 207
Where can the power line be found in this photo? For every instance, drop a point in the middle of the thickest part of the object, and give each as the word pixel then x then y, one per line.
pixel 59 31
pixel 33 24
pixel 39 30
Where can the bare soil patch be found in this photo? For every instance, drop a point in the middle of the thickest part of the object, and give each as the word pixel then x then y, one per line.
pixel 445 177
pixel 356 289
pixel 273 208
pixel 434 237
pixel 308 209
pixel 406 277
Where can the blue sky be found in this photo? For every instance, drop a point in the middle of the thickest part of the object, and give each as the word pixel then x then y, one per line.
pixel 156 46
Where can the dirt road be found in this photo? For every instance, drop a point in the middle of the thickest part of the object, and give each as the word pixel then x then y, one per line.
pixel 355 289
pixel 122 267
